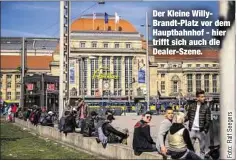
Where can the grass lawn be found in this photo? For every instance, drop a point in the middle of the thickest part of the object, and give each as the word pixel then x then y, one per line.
pixel 17 143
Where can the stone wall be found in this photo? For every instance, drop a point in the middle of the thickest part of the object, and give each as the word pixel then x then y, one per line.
pixel 112 151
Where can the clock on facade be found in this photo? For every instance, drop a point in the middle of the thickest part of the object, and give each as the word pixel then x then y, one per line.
pixel 106 85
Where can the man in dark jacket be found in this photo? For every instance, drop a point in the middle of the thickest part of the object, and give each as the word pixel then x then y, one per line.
pixel 142 140
pixel 114 136
pixel 67 123
pixel 108 134
pixel 199 117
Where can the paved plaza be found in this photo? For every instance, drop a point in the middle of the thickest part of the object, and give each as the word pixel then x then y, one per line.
pixel 128 122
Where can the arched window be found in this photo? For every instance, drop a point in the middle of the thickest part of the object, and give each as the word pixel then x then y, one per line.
pixel 175 83
pixel 120 28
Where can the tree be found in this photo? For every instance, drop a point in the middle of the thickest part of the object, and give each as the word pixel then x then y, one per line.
pixel 19 69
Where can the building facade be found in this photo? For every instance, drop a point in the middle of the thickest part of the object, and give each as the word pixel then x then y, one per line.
pixel 41 90
pixel 110 60
pixel 106 61
pixel 39 56
pixel 182 75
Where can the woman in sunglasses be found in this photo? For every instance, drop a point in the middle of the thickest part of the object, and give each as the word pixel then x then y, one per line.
pixel 142 140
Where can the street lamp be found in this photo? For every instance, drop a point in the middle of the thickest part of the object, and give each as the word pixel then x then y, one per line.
pixel 147 63
pixel 65 41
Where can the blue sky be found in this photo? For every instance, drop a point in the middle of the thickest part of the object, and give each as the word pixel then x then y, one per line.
pixel 41 19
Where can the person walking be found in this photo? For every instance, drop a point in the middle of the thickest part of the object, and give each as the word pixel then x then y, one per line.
pixel 199 117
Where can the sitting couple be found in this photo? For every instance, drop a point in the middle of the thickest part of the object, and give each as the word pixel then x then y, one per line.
pixel 180 145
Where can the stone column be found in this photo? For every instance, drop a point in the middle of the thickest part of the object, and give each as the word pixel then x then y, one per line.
pixel 77 77
pixel 202 81
pixel 210 84
pixel 134 75
pixel 100 81
pixel 194 82
pixel 123 76
pixel 184 84
pixel 13 87
pixel 112 72
pixel 4 87
pixel 218 83
pixel 89 76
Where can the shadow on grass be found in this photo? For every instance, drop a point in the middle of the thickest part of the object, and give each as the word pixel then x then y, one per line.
pixel 9 139
pixel 20 144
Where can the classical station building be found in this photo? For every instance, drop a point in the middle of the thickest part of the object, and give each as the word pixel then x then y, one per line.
pixel 106 59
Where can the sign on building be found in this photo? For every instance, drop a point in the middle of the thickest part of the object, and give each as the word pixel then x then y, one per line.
pixel 50 87
pixel 72 71
pixel 141 76
pixel 30 86
pixel 98 74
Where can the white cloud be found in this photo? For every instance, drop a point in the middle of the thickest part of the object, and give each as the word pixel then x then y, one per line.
pixel 11 33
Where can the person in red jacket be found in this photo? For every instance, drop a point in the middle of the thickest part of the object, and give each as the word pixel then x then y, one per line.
pixel 13 111
pixel 14 108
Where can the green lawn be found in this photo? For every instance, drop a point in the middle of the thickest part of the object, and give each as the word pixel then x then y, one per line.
pixel 17 143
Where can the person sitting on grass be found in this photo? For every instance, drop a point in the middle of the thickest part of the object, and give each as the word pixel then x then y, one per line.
pixel 142 140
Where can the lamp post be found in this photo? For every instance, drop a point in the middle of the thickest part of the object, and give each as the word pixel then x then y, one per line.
pixel 129 81
pixel 65 41
pixel 147 63
pixel 23 71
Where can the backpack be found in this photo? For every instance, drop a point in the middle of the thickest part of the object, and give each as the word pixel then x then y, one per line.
pixel 87 127
pixel 99 122
pixel 32 117
pixel 103 139
pixel 61 124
